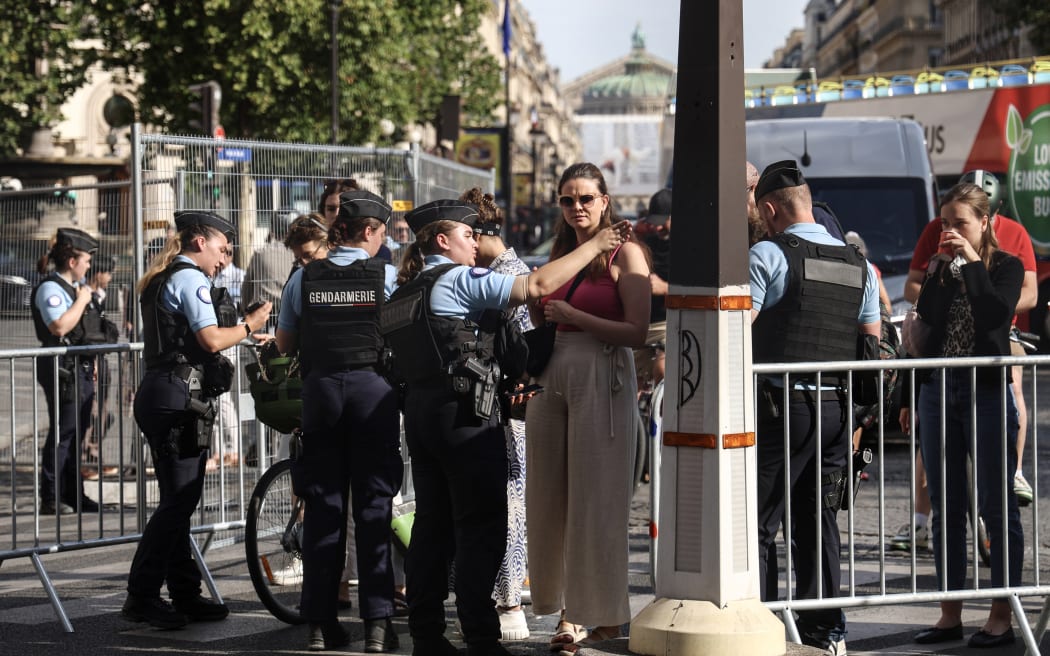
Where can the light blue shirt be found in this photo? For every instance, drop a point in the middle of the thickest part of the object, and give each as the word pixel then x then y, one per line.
pixel 292 297
pixel 467 291
pixel 188 292
pixel 768 270
pixel 52 300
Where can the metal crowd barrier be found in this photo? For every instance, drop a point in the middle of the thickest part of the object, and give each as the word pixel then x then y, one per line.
pixel 865 559
pixel 121 478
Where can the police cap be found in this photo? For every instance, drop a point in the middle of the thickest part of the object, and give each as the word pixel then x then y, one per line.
pixel 78 239
pixel 779 175
pixel 188 218
pixel 442 210
pixel 361 203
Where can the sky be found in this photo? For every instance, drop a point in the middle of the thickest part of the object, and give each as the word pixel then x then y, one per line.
pixel 581 35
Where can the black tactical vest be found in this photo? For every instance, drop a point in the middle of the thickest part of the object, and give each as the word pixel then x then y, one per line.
pixel 816 320
pixel 339 325
pixel 167 338
pixel 89 330
pixel 426 346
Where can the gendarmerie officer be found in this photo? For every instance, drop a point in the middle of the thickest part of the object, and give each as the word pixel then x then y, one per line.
pixel 63 315
pixel 186 323
pixel 459 458
pixel 811 297
pixel 351 436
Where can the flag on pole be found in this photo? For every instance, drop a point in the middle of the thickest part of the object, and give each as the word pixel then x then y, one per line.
pixel 506 28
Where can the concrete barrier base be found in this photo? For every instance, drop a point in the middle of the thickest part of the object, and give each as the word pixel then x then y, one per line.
pixel 668 627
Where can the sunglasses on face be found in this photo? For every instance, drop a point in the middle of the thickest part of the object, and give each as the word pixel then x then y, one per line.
pixel 586 201
pixel 344 184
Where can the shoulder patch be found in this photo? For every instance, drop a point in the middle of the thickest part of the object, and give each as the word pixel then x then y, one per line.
pixel 204 294
pixel 54 301
pixel 479 272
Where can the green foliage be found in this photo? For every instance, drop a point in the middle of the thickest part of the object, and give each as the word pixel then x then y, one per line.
pixel 1032 13
pixel 32 92
pixel 272 58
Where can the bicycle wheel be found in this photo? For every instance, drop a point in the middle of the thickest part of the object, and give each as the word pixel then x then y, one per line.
pixel 272 539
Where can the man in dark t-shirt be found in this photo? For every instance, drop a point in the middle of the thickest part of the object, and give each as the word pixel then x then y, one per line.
pixel 649 360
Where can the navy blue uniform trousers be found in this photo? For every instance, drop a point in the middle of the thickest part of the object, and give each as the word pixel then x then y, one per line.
pixel 351 441
pixel 459 469
pixel 63 440
pixel 806 470
pixel 164 551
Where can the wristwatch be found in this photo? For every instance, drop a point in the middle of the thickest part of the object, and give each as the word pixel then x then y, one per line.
pixel 247 330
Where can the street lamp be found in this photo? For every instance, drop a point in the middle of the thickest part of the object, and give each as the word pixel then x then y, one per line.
pixel 555 172
pixel 538 137
pixel 334 7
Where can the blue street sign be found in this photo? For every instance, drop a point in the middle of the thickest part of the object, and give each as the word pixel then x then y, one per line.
pixel 235 154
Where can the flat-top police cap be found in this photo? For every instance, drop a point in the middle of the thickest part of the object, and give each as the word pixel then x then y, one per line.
pixel 78 239
pixel 779 175
pixel 361 203
pixel 189 218
pixel 442 210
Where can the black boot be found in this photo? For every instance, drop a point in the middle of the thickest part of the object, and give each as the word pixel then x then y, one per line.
pixel 154 611
pixel 330 635
pixel 380 636
pixel 199 609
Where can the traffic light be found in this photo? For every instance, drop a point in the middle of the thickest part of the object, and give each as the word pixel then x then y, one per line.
pixel 206 108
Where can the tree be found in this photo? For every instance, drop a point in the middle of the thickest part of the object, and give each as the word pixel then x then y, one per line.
pixel 43 61
pixel 397 58
pixel 1028 13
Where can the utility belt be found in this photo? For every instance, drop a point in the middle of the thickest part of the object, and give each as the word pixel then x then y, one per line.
pixel 771 398
pixel 478 382
pixel 69 366
pixel 840 496
pixel 199 405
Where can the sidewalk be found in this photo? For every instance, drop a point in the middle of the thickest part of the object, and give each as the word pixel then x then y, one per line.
pixel 91 585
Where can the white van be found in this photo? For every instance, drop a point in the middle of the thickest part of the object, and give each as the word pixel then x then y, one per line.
pixel 875 174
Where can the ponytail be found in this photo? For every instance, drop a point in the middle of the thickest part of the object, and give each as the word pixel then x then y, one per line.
pixel 172 249
pixel 411 263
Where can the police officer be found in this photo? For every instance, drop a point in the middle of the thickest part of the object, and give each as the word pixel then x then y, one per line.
pixel 186 322
pixel 63 315
pixel 330 312
pixel 811 297
pixel 459 459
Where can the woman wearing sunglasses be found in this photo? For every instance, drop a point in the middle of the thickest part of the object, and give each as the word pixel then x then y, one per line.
pixel 580 429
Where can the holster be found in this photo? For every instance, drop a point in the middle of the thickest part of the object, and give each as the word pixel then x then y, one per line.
pixel 201 409
pixel 479 382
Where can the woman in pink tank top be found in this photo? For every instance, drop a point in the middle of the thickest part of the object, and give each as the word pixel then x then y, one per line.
pixel 580 431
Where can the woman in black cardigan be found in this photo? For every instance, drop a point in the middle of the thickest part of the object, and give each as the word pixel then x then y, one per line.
pixel 968 299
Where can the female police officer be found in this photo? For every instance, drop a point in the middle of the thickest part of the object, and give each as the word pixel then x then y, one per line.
pixel 63 315
pixel 459 459
pixel 183 329
pixel 330 310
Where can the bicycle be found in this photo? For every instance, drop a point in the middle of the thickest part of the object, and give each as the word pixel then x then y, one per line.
pixel 273 540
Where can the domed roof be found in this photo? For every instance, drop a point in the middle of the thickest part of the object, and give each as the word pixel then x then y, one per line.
pixel 640 79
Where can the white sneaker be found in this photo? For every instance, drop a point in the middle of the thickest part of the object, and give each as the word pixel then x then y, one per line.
pixel 1022 489
pixel 902 540
pixel 290 575
pixel 836 648
pixel 513 625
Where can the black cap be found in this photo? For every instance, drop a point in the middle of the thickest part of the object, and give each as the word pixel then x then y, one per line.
pixel 78 239
pixel 659 207
pixel 104 264
pixel 779 175
pixel 361 203
pixel 438 210
pixel 189 218
pixel 488 229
